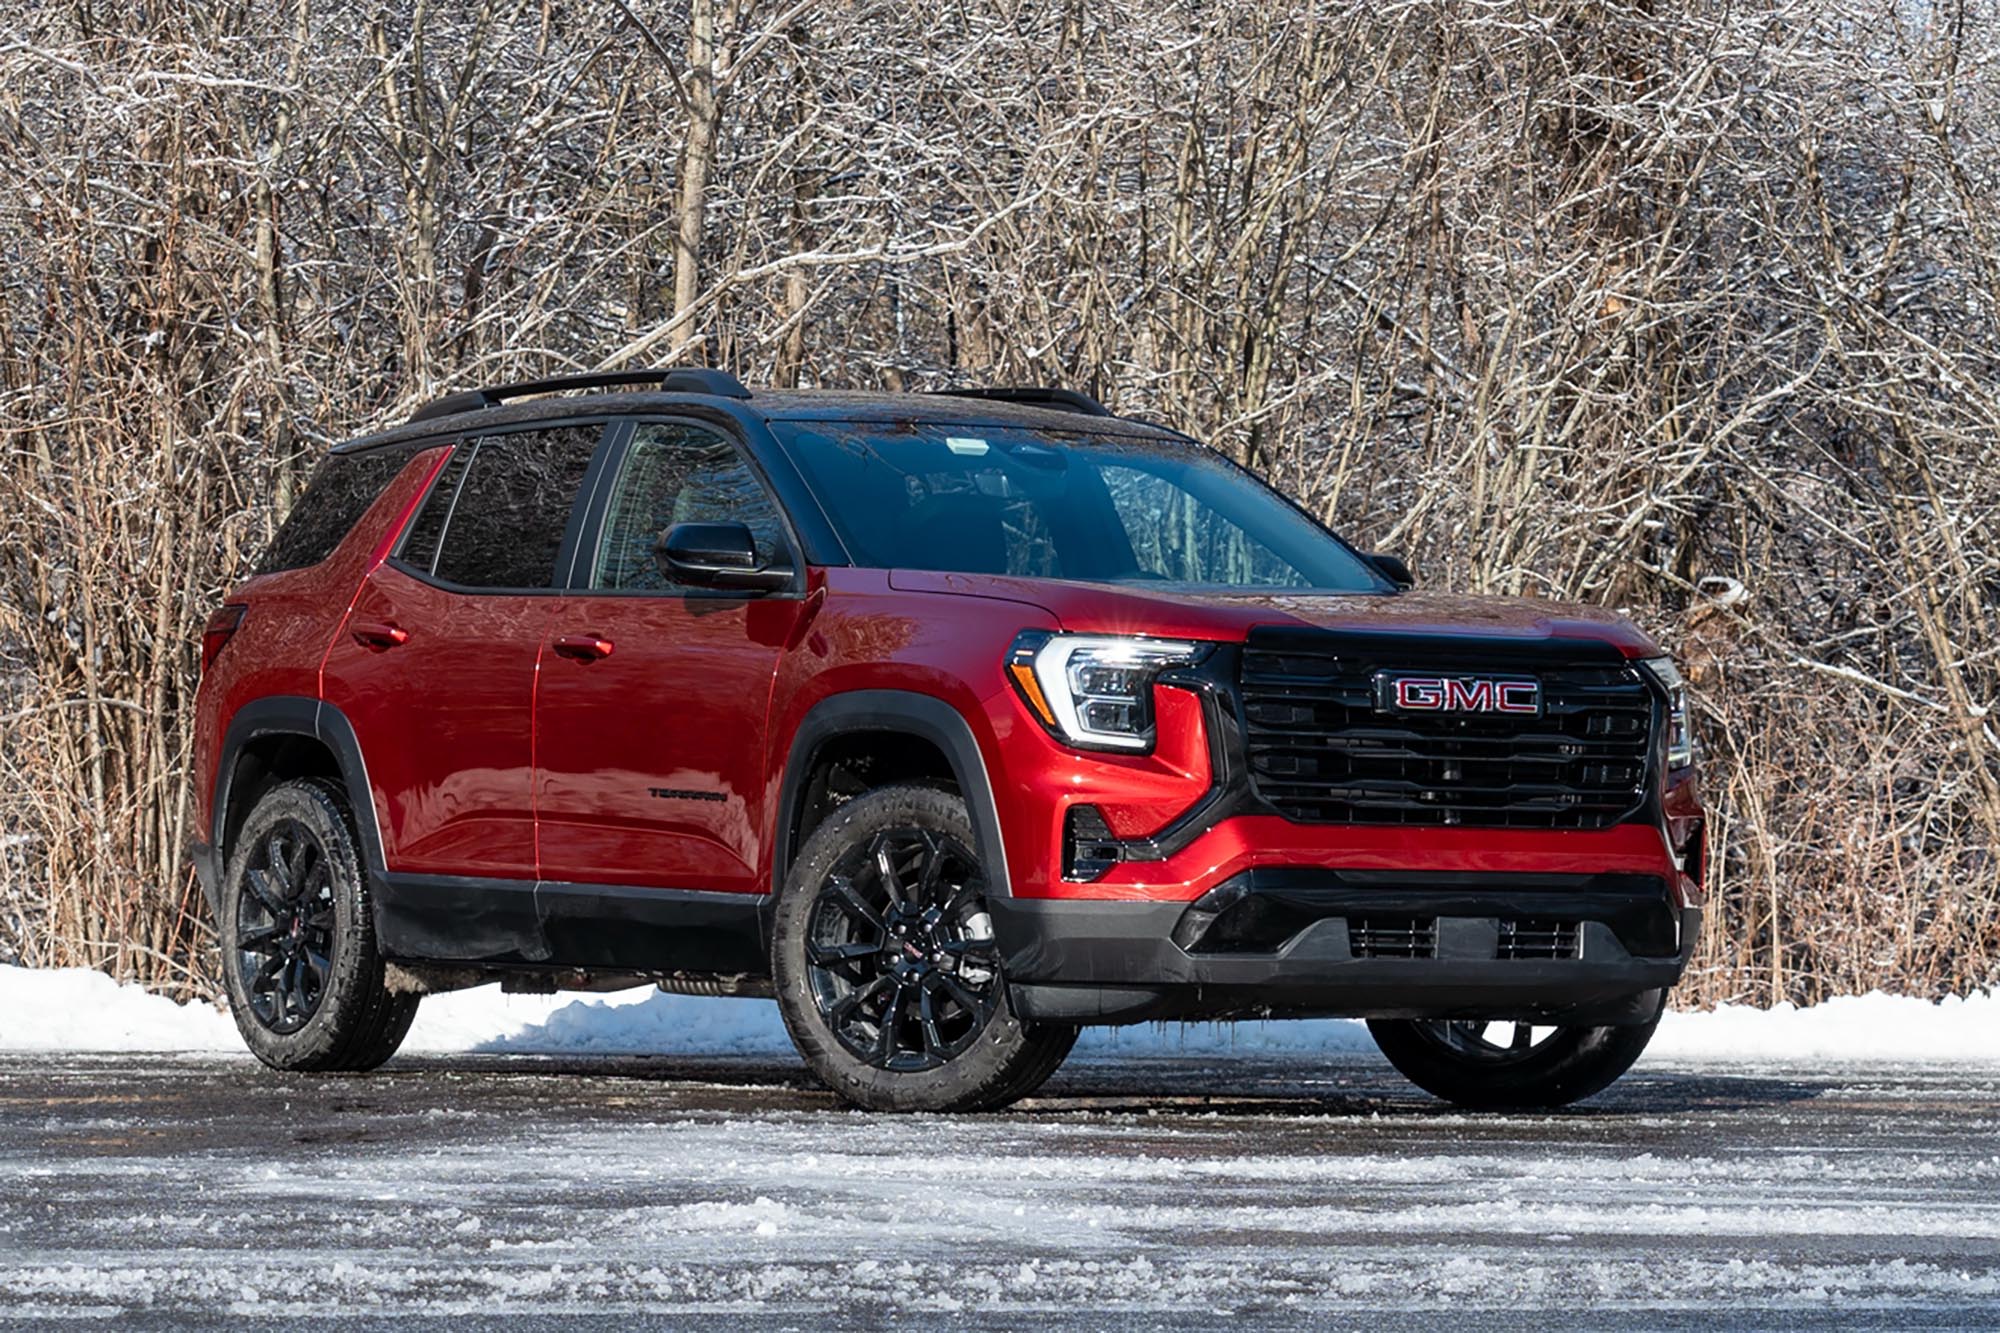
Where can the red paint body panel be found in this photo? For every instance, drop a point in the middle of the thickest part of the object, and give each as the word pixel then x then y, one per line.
pixel 291 619
pixel 1228 617
pixel 861 634
pixel 444 723
pixel 650 765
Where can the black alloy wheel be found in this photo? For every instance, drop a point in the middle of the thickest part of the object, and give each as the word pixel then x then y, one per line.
pixel 1491 1044
pixel 308 988
pixel 285 926
pixel 1510 1065
pixel 900 951
pixel 886 966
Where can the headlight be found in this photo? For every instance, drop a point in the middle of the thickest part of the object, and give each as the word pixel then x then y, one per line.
pixel 1094 690
pixel 1680 736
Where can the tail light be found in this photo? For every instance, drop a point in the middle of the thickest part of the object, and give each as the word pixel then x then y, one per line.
pixel 216 634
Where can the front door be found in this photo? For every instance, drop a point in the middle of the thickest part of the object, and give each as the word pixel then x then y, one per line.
pixel 650 715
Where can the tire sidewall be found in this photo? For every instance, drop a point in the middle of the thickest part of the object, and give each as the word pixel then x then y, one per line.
pixel 985 1075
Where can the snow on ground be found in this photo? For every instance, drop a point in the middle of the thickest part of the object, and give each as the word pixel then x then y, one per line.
pixel 1263 1191
pixel 80 1010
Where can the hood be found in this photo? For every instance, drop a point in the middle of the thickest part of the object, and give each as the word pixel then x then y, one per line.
pixel 1100 608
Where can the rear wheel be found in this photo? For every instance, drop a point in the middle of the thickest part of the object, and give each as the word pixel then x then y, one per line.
pixel 298 941
pixel 886 968
pixel 1510 1066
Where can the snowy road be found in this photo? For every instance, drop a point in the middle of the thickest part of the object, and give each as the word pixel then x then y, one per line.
pixel 1138 1192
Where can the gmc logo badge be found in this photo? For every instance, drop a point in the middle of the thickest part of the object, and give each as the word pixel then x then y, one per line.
pixel 1457 694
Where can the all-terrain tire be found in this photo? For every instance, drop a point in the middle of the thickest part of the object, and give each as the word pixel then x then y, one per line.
pixel 354 1023
pixel 999 1063
pixel 1569 1065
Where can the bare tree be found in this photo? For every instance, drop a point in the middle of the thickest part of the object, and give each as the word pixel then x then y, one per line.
pixel 1688 309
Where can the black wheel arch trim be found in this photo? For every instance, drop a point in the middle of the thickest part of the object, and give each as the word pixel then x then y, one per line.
pixel 924 716
pixel 288 715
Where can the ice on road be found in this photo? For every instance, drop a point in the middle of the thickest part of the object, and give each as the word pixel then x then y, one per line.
pixel 1144 1191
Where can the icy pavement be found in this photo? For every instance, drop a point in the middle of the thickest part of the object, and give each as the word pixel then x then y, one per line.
pixel 1258 1189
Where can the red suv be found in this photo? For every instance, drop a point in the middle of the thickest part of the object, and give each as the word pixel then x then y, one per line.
pixel 954 721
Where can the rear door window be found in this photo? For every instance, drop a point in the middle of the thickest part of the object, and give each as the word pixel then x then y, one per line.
pixel 497 515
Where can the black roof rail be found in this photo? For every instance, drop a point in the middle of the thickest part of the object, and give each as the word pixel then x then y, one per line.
pixel 1062 400
pixel 679 379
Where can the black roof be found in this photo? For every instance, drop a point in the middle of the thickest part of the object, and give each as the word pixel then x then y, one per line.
pixel 720 395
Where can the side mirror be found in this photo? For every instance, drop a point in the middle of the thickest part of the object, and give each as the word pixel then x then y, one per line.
pixel 716 555
pixel 1392 568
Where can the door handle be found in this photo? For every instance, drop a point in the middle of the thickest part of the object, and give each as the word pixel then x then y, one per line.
pixel 379 637
pixel 584 647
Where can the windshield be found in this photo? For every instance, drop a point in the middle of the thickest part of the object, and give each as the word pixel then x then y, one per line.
pixel 1061 505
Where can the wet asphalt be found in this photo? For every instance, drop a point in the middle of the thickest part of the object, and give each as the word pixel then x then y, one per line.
pixel 1146 1192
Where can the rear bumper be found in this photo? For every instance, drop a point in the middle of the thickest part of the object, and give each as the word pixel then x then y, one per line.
pixel 1284 942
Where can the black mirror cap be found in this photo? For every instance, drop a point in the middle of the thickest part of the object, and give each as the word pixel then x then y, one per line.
pixel 717 555
pixel 1392 568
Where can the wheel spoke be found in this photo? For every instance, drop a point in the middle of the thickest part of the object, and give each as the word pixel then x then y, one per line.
pixel 288 987
pixel 268 898
pixel 266 977
pixel 892 1017
pixel 885 870
pixel 255 940
pixel 927 878
pixel 840 891
pixel 963 948
pixel 1524 1037
pixel 305 861
pixel 971 1001
pixel 278 861
pixel 840 955
pixel 854 999
pixel 966 893
pixel 934 1042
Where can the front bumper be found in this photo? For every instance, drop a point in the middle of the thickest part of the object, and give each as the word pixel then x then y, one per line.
pixel 1300 942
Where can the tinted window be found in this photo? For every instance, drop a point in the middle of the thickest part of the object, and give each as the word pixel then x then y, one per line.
pixel 496 516
pixel 1062 505
pixel 1177 538
pixel 420 541
pixel 339 493
pixel 679 474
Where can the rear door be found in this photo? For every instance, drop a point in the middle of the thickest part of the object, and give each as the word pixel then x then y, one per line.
pixel 650 714
pixel 435 665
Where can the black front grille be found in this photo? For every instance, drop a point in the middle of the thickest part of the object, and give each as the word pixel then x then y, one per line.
pixel 1322 751
pixel 1537 939
pixel 1392 937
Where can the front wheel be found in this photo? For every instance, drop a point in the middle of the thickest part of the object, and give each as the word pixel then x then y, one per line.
pixel 1492 1066
pixel 886 969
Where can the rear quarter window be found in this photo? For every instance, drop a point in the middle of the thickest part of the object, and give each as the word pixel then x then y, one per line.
pixel 338 494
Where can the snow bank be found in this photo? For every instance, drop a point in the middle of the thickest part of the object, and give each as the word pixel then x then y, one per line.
pixel 76 1009
pixel 79 1010
pixel 1873 1027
